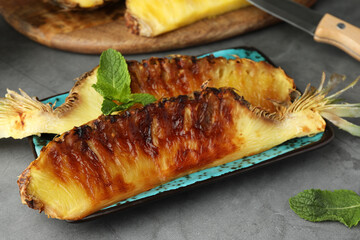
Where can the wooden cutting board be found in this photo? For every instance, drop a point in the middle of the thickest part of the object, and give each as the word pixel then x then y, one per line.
pixel 95 31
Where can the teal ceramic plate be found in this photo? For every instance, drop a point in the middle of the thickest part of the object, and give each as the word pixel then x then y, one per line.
pixel 285 150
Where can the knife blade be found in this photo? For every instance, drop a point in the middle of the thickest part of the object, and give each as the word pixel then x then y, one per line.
pixel 324 28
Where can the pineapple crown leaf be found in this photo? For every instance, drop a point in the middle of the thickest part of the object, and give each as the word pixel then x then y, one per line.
pixel 330 106
pixel 19 103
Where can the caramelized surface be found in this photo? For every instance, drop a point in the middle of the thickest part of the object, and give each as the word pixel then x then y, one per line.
pixel 258 82
pixel 116 157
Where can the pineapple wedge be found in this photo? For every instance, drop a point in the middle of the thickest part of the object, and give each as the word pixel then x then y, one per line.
pixel 80 4
pixel 153 17
pixel 118 156
pixel 22 116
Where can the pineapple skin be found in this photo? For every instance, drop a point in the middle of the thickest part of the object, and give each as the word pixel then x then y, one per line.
pixel 161 77
pixel 118 156
pixel 151 18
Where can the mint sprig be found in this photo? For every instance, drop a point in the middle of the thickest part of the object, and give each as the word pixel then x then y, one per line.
pixel 321 205
pixel 113 83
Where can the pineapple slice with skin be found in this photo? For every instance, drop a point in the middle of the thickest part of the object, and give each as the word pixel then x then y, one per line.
pixel 22 116
pixel 116 157
pixel 151 18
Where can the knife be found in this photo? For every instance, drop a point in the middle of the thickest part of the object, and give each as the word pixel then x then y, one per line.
pixel 325 28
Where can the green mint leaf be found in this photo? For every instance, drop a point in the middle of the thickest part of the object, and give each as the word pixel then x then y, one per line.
pixel 113 78
pixel 113 83
pixel 123 107
pixel 108 106
pixel 321 205
pixel 142 98
pixel 106 90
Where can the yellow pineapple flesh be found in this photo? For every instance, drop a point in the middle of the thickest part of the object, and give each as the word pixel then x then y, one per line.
pixel 154 17
pixel 22 116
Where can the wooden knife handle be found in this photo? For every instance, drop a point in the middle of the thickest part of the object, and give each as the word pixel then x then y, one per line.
pixel 339 33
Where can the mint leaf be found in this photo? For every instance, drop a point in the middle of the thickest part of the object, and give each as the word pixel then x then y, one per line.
pixel 106 90
pixel 113 74
pixel 113 83
pixel 321 205
pixel 108 106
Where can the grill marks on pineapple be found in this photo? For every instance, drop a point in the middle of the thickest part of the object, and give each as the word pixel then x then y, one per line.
pixel 85 155
pixel 20 123
pixel 189 133
pixel 208 136
pixel 100 151
pixel 168 77
pixel 118 156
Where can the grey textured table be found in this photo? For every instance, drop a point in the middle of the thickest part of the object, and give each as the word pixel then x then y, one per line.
pixel 253 205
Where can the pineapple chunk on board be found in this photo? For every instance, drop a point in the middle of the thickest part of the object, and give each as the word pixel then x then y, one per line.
pixel 151 18
pixel 80 4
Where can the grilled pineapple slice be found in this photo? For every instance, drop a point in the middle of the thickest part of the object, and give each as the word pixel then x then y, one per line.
pixel 22 116
pixel 115 157
pixel 118 156
pixel 81 4
pixel 153 17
